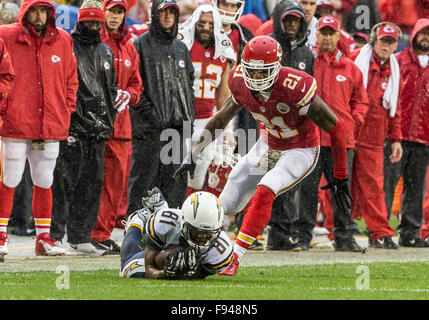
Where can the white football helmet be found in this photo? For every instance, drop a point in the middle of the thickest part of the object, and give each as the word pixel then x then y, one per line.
pixel 202 220
pixel 228 17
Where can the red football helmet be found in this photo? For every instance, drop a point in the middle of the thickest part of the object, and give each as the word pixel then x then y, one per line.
pixel 261 53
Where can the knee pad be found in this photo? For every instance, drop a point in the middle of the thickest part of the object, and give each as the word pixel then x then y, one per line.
pixel 13 163
pixel 43 165
pixel 43 180
pixel 11 179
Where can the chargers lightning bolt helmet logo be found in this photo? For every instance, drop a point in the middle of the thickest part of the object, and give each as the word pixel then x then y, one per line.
pixel 195 204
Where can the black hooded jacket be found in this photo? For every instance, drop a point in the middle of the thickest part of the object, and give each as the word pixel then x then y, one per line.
pixel 95 111
pixel 168 76
pixel 298 56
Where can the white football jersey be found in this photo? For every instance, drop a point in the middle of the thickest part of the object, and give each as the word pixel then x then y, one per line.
pixel 163 229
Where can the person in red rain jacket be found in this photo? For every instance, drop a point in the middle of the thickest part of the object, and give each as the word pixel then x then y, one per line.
pixel 7 76
pixel 380 124
pixel 118 147
pixel 414 100
pixel 36 114
pixel 340 85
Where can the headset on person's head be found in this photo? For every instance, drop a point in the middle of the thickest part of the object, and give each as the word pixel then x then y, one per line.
pixel 374 31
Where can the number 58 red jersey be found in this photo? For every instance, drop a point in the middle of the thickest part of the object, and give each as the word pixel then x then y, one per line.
pixel 283 114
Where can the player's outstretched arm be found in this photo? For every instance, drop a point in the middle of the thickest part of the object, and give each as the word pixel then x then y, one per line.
pixel 211 132
pixel 321 115
pixel 228 111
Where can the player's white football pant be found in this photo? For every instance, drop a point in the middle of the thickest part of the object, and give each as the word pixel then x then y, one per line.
pixel 15 152
pixel 277 170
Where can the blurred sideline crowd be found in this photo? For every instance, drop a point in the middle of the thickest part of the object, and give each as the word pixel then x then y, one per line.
pixel 81 174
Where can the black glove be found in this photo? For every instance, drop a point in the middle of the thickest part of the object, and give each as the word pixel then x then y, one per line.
pixel 188 164
pixel 341 192
pixel 181 263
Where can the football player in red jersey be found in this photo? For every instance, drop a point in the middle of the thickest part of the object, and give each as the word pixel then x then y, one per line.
pixel 285 103
pixel 212 56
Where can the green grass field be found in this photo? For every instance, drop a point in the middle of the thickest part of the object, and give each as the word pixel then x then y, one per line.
pixel 305 282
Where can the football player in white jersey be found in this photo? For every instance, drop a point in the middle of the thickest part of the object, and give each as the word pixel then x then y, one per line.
pixel 203 248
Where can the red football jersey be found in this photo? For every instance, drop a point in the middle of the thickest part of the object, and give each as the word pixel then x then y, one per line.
pixel 208 74
pixel 282 115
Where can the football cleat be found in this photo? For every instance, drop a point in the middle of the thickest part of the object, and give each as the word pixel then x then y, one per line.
pixel 154 200
pixel 3 245
pixel 384 243
pixel 45 246
pixel 233 267
pixel 86 248
pixel 138 219
pixel 348 244
pixel 110 246
pixel 414 242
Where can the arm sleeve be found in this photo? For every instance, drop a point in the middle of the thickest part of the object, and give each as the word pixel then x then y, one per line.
pixel 72 80
pixel 359 102
pixel 134 85
pixel 339 150
pixel 394 133
pixel 7 74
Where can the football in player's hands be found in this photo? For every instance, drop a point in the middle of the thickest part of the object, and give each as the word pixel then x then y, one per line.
pixel 161 257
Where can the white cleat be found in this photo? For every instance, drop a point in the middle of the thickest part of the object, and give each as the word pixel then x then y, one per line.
pixel 3 245
pixel 86 248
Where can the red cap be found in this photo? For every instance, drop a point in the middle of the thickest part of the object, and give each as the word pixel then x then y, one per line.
pixel 329 21
pixel 90 14
pixel 388 30
pixel 112 3
pixel 168 3
pixel 325 4
pixel 361 35
pixel 292 14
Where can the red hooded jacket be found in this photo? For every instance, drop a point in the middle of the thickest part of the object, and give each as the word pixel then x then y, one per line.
pixel 414 97
pixel 44 92
pixel 7 74
pixel 127 73
pixel 378 125
pixel 340 85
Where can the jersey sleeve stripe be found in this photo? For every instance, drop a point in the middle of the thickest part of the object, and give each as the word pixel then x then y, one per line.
pixel 223 263
pixel 309 94
pixel 151 231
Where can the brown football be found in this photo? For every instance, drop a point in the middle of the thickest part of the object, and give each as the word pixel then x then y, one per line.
pixel 162 255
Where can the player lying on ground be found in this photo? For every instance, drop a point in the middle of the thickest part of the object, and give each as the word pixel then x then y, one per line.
pixel 284 102
pixel 165 243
